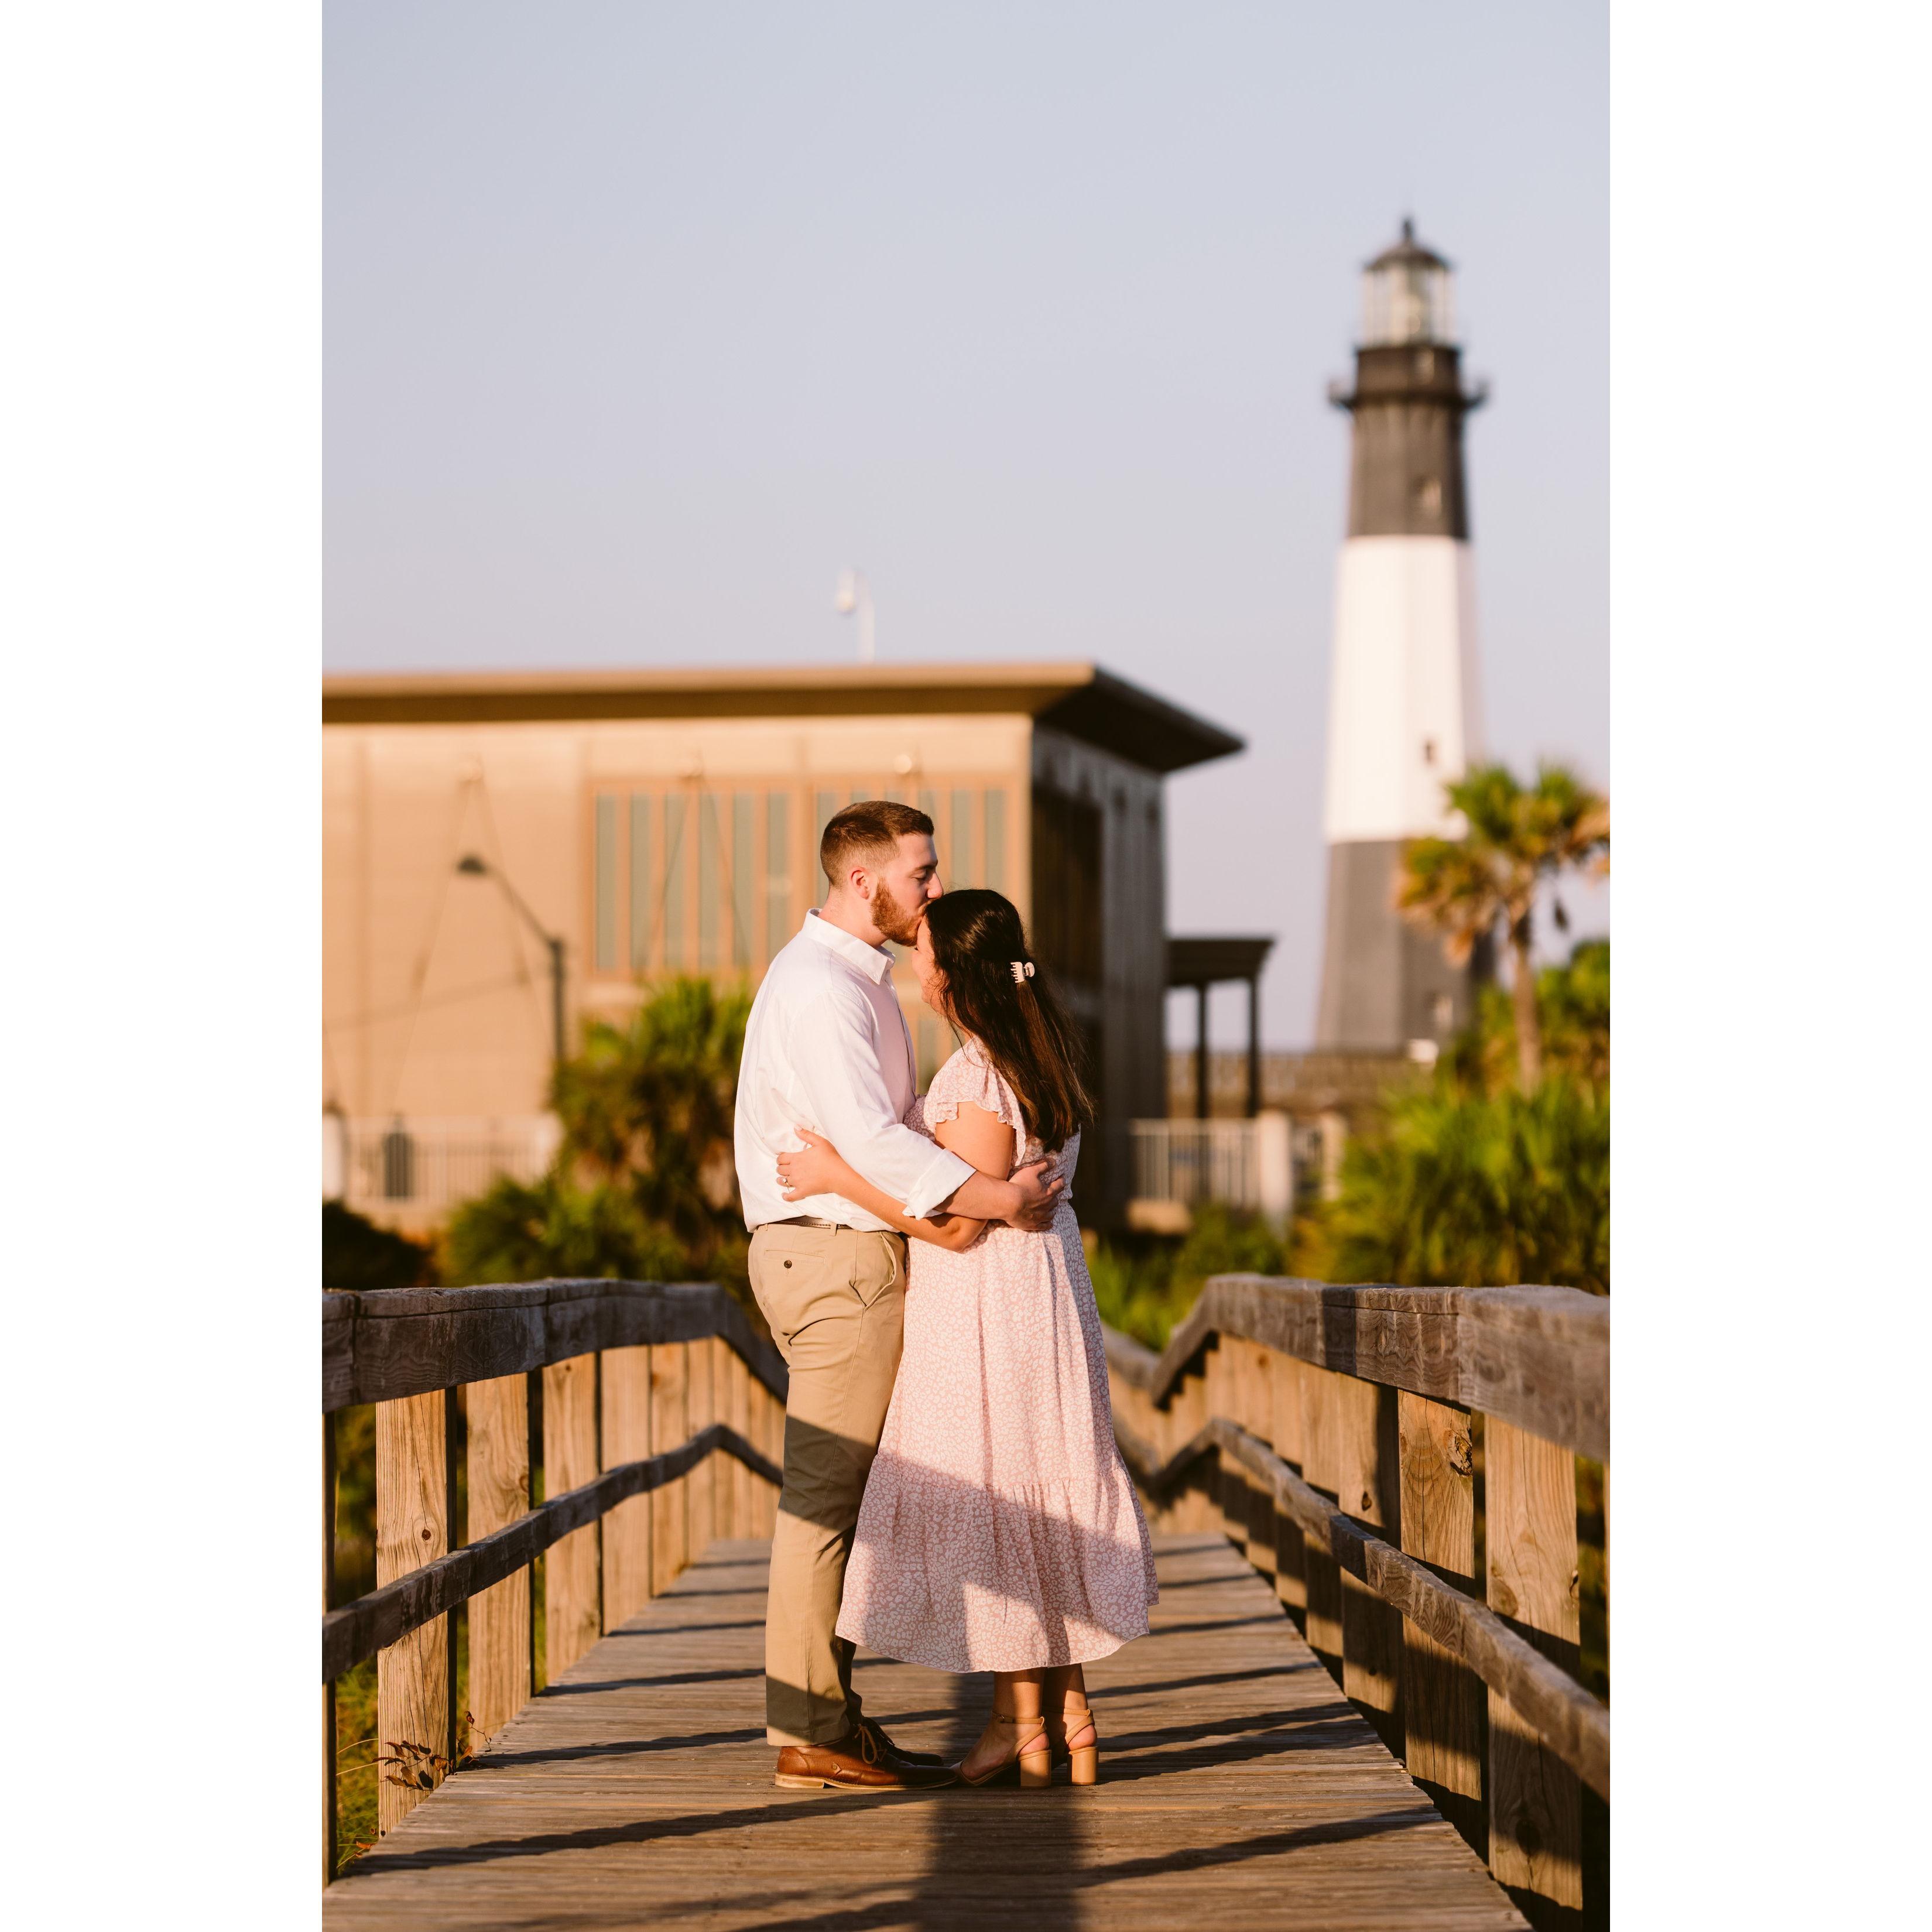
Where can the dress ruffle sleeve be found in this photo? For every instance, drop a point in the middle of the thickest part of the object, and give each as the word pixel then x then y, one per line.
pixel 967 1080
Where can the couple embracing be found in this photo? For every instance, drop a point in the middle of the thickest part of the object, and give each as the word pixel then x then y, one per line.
pixel 952 1494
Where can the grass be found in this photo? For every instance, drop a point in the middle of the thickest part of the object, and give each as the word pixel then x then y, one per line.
pixel 1593 1580
pixel 1145 1285
pixel 363 1760
pixel 358 1747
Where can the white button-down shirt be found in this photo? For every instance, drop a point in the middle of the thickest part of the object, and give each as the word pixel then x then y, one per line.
pixel 827 1047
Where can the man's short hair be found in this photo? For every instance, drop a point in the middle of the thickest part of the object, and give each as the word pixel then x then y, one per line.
pixel 868 832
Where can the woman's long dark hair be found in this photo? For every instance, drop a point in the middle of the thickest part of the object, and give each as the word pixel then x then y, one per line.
pixel 978 940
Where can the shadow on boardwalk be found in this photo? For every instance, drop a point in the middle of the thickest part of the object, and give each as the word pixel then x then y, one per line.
pixel 1239 1790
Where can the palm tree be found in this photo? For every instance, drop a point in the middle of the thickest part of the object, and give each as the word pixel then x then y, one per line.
pixel 649 1106
pixel 1516 838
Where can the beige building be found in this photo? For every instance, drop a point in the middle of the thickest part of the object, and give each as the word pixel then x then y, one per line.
pixel 498 849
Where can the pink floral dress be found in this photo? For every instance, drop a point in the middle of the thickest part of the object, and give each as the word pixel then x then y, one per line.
pixel 1000 1530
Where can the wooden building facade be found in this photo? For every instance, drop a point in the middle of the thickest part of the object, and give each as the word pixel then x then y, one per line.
pixel 506 854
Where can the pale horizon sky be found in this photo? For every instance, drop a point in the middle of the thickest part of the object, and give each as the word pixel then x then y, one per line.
pixel 643 320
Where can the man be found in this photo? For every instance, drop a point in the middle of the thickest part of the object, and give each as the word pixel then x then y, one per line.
pixel 827 1047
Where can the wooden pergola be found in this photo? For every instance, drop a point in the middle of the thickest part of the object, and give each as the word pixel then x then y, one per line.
pixel 1204 962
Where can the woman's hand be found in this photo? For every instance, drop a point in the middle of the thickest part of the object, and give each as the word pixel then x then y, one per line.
pixel 817 1169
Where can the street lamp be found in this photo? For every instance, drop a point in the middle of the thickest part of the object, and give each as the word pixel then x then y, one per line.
pixel 471 866
pixel 855 594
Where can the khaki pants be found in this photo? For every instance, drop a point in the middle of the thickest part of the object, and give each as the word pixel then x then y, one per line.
pixel 835 1300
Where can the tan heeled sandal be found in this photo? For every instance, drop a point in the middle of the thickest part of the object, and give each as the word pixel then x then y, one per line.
pixel 1072 1735
pixel 1032 1755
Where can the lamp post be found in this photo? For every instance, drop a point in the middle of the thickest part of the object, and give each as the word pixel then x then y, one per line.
pixel 471 866
pixel 854 594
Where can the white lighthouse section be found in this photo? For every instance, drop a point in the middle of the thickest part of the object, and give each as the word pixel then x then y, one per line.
pixel 1403 714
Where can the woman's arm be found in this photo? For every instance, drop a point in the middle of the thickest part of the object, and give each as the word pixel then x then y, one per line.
pixel 821 1169
pixel 980 1137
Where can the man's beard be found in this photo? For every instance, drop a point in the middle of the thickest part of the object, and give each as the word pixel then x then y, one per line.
pixel 897 923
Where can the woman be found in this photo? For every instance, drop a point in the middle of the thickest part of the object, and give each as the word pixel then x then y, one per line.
pixel 1000 1530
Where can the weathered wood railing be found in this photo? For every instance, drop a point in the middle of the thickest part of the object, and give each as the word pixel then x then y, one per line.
pixel 642 1386
pixel 1375 1451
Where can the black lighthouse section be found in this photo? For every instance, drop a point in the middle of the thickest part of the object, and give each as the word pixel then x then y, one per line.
pixel 1384 982
pixel 1405 475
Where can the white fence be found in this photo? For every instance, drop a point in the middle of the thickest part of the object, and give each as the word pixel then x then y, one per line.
pixel 422 1167
pixel 1178 1165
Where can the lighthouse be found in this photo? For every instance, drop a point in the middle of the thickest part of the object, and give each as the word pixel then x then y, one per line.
pixel 1403 706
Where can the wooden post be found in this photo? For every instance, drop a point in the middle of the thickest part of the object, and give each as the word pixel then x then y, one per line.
pixel 500 1492
pixel 1442 1699
pixel 1230 1487
pixel 1214 1470
pixel 571 1594
pixel 1530 1534
pixel 740 1396
pixel 533 1402
pixel 412 1528
pixel 624 1426
pixel 1186 1416
pixel 701 1506
pixel 1369 1489
pixel 1203 1086
pixel 724 1489
pixel 1291 1572
pixel 1254 1392
pixel 767 1433
pixel 1133 1411
pixel 453 1438
pixel 328 1744
pixel 669 1547
pixel 1321 1468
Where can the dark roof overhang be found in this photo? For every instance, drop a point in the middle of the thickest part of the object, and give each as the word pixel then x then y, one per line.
pixel 1081 700
pixel 1209 961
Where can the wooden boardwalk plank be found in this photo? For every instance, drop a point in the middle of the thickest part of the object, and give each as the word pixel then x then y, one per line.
pixel 1239 1789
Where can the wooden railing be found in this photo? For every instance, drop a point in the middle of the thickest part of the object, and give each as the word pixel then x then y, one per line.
pixel 1376 1451
pixel 640 1387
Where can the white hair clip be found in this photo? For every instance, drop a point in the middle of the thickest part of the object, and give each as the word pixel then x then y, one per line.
pixel 1022 970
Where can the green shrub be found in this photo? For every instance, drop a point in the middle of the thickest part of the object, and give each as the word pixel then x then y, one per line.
pixel 554 1229
pixel 1145 1287
pixel 648 1107
pixel 1463 1189
pixel 356 1254
pixel 644 1187
pixel 1573 1002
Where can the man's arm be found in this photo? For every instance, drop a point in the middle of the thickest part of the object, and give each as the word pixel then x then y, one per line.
pixel 835 1057
pixel 1028 1201
pixel 988 1141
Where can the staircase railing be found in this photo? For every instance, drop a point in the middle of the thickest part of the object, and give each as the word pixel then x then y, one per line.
pixel 655 1417
pixel 1410 1467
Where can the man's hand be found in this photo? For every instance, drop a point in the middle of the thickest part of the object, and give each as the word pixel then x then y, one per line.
pixel 1038 1198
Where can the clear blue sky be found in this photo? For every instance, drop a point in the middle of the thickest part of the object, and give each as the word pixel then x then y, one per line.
pixel 642 320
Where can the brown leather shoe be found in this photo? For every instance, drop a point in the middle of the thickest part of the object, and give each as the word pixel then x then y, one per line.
pixel 855 1762
pixel 896 1751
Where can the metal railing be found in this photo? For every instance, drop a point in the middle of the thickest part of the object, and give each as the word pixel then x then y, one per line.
pixel 428 1164
pixel 1243 1164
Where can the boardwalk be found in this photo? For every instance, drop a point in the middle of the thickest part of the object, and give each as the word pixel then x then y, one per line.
pixel 1239 1790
